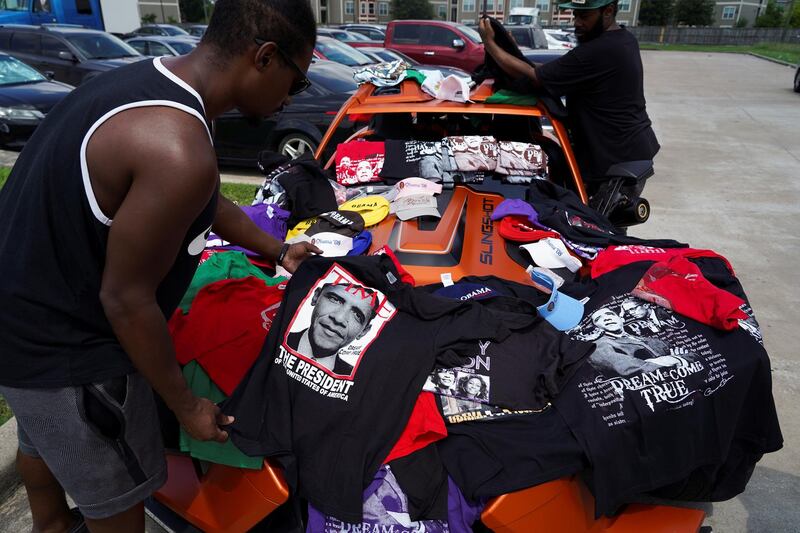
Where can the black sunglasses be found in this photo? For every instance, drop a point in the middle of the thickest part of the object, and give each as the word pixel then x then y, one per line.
pixel 299 85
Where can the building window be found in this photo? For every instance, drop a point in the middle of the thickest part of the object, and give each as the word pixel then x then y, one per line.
pixel 516 3
pixel 624 6
pixel 543 5
pixel 500 6
pixel 442 12
pixel 383 9
pixel 349 8
pixel 469 6
pixel 728 12
pixel 371 8
pixel 489 5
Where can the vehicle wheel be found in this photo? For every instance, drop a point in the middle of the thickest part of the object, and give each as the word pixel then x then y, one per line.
pixel 641 210
pixel 797 81
pixel 295 145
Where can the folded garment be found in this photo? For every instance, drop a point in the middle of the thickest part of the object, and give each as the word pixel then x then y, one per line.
pixel 520 159
pixel 471 153
pixel 386 74
pixel 679 285
pixel 359 162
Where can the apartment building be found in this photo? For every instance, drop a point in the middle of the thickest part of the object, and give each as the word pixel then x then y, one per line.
pixel 164 10
pixel 728 13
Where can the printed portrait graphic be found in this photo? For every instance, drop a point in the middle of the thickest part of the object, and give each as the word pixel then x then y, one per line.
pixel 624 336
pixel 336 323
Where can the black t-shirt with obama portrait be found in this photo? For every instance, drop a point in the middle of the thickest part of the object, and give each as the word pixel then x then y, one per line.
pixel 344 362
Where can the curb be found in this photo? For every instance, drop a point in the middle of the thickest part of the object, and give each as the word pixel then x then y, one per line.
pixel 9 478
pixel 772 59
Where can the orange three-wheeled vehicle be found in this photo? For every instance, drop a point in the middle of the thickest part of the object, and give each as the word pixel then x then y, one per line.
pixel 218 498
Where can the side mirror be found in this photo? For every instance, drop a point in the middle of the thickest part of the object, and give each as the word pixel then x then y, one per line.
pixel 458 43
pixel 49 74
pixel 67 56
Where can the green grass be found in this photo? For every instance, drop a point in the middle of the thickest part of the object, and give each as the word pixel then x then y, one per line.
pixel 789 52
pixel 5 411
pixel 240 193
pixel 4 172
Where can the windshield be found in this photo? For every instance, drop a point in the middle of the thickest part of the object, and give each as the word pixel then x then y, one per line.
pixel 471 34
pixel 13 72
pixel 341 53
pixel 14 5
pixel 561 37
pixel 337 80
pixel 355 36
pixel 172 30
pixel 101 46
pixel 182 47
pixel 391 55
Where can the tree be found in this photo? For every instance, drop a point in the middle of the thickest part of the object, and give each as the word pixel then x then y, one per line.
pixel 150 18
pixel 655 12
pixel 793 16
pixel 772 17
pixel 411 9
pixel 742 23
pixel 694 12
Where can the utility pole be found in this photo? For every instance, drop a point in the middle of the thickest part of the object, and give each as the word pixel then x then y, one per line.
pixel 163 17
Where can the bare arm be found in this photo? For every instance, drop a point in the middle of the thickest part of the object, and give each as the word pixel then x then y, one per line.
pixel 514 67
pixel 170 182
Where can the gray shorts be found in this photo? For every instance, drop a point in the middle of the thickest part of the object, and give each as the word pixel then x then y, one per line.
pixel 101 441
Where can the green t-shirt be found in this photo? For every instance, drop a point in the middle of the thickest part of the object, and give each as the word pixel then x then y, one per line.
pixel 507 97
pixel 223 265
pixel 225 453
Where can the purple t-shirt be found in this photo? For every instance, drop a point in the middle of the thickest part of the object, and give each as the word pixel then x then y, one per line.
pixel 271 218
pixel 386 505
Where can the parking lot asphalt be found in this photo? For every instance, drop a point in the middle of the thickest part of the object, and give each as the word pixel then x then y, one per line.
pixel 727 178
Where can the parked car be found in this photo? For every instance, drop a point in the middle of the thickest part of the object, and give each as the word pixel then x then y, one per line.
pixel 433 42
pixel 375 32
pixel 197 30
pixel 529 35
pixel 157 45
pixel 26 96
pixel 72 55
pixel 542 56
pixel 165 30
pixel 333 50
pixel 559 39
pixel 356 40
pixel 386 54
pixel 298 129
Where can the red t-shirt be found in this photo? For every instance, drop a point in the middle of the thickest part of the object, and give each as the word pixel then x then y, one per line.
pixel 614 257
pixel 359 162
pixel 405 277
pixel 226 328
pixel 424 427
pixel 678 284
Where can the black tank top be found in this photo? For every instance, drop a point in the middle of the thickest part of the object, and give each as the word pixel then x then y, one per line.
pixel 53 236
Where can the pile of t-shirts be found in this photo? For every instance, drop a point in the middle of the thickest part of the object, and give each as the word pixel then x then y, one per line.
pixel 464 159
pixel 636 363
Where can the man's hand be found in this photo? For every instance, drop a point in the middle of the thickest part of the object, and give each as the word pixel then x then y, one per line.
pixel 486 31
pixel 202 421
pixel 297 253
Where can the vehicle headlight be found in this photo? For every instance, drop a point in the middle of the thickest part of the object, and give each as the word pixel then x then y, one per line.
pixel 20 113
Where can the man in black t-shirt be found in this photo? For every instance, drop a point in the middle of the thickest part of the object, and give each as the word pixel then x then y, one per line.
pixel 602 80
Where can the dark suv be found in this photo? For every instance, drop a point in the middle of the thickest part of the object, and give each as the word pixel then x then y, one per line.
pixel 72 55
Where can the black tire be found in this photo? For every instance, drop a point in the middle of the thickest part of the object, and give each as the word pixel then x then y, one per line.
pixel 797 80
pixel 641 210
pixel 295 144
